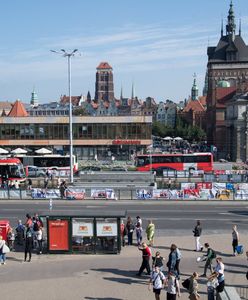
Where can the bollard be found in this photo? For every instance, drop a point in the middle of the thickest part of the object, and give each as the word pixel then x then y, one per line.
pixel 50 204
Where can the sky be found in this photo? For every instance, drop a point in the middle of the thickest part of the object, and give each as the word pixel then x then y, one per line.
pixel 156 45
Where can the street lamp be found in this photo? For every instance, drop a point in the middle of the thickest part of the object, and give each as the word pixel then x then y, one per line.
pixel 69 55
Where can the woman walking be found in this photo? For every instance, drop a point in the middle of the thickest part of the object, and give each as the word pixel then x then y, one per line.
pixel 130 229
pixel 157 261
pixel 235 239
pixel 173 289
pixel 193 287
pixel 171 264
pixel 150 231
pixel 2 253
pixel 28 244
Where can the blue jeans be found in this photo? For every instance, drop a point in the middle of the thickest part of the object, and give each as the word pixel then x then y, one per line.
pixel 2 257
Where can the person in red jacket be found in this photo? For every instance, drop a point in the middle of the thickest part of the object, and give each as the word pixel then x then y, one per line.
pixel 146 254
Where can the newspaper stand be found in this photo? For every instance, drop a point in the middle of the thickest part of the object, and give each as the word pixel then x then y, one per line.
pixel 4 227
pixel 83 233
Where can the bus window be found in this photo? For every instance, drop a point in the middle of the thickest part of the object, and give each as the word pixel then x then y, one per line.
pixel 178 159
pixel 204 158
pixel 190 159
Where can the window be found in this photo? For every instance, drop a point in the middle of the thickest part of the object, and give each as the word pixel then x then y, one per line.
pixel 203 158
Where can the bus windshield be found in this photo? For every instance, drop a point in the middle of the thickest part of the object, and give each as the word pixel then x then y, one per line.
pixel 10 171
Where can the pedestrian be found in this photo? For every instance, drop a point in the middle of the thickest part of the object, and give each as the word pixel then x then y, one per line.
pixel 28 243
pixel 209 257
pixel 150 232
pixel 123 231
pixel 178 259
pixel 62 189
pixel 39 236
pixel 193 287
pixel 197 234
pixel 138 230
pixel 212 285
pixel 171 264
pixel 11 238
pixel 138 220
pixel 20 232
pixel 146 254
pixel 235 239
pixel 2 252
pixel 157 280
pixel 130 229
pixel 30 184
pixel 46 180
pixel 173 288
pixel 219 269
pixel 157 261
pixel 29 221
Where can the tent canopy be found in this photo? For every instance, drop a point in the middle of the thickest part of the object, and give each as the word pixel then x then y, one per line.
pixel 43 151
pixel 19 151
pixel 167 138
pixel 3 151
pixel 178 138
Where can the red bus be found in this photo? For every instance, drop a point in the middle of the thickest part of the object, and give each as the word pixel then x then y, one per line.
pixel 178 162
pixel 11 169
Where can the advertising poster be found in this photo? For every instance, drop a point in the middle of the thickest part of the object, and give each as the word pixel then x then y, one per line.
pixel 161 194
pixel 81 228
pixel 75 194
pixel 58 235
pixel 191 194
pixel 103 194
pixel 242 186
pixel 106 229
pixel 143 194
pixel 220 191
pixel 241 195
pixel 45 194
pixel 204 185
pixel 187 186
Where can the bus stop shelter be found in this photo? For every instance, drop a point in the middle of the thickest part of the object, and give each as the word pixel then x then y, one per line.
pixel 83 232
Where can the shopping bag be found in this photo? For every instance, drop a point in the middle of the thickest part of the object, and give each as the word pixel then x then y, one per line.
pixel 5 249
pixel 240 249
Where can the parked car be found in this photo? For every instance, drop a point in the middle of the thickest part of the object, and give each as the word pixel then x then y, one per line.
pixel 34 171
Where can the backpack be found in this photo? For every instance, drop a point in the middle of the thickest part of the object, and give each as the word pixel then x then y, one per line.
pixel 186 283
pixel 213 255
pixel 36 226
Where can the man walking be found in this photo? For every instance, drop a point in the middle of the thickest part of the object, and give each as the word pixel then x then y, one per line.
pixel 146 254
pixel 209 257
pixel 157 280
pixel 197 234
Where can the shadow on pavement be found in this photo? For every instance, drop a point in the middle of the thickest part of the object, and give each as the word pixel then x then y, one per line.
pixel 131 278
pixel 236 265
pixel 14 259
pixel 108 298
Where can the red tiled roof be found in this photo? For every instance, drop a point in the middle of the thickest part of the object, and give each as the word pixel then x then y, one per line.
pixel 223 95
pixel 18 110
pixel 104 65
pixel 203 100
pixel 74 100
pixel 194 105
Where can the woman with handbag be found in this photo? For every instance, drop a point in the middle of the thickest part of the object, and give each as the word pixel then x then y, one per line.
pixel 193 287
pixel 3 250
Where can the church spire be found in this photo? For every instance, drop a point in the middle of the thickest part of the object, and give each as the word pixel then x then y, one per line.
pixel 231 26
pixel 34 99
pixel 121 97
pixel 194 89
pixel 222 30
pixel 133 91
pixel 239 27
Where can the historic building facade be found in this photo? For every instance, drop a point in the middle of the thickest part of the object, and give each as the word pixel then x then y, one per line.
pixel 227 67
pixel 104 82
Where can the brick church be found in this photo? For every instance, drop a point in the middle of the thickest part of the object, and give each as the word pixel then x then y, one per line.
pixel 227 73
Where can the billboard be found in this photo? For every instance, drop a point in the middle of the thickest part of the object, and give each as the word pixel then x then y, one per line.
pixel 106 229
pixel 58 235
pixel 81 228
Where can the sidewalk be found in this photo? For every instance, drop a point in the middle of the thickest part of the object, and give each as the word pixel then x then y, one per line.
pixel 64 277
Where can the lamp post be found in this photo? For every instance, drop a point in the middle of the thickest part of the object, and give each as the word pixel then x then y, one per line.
pixel 69 55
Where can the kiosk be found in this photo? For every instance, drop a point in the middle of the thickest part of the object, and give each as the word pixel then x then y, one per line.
pixel 83 233
pixel 4 228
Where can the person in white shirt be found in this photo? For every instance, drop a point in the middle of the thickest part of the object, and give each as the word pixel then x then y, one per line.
pixel 157 280
pixel 219 269
pixel 173 288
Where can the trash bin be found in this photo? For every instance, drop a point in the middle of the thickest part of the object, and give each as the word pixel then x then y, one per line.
pixel 4 227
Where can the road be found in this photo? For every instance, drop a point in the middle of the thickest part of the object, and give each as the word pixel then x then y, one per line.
pixel 171 218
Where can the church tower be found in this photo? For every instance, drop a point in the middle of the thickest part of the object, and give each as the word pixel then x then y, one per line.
pixel 104 83
pixel 227 65
pixel 194 90
pixel 34 99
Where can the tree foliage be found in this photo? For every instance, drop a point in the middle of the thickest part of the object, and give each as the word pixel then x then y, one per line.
pixel 182 129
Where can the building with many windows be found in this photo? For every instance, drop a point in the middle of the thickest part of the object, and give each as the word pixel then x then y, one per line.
pixel 92 136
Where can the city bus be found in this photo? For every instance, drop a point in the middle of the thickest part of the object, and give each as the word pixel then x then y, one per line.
pixel 178 162
pixel 11 170
pixel 50 161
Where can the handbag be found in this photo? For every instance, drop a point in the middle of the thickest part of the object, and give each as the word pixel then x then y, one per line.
pixel 5 249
